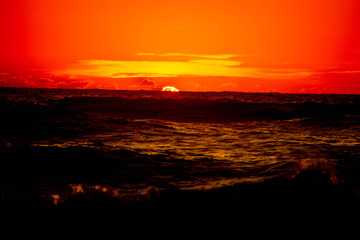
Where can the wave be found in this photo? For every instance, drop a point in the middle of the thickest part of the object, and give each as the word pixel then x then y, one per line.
pixel 95 105
pixel 124 174
pixel 195 110
pixel 42 95
pixel 79 185
pixel 76 119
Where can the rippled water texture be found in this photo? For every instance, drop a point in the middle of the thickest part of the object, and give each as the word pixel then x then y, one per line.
pixel 132 145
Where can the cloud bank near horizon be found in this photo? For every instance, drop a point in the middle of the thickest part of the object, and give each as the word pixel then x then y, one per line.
pixel 189 72
pixel 169 65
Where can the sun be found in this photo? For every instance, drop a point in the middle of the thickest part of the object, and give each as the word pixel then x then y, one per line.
pixel 170 89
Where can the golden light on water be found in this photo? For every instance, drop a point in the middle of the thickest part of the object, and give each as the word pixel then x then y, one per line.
pixel 169 89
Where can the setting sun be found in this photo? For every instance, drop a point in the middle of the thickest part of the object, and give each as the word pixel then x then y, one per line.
pixel 170 89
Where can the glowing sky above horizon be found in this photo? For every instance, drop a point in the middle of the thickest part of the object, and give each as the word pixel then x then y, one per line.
pixel 299 46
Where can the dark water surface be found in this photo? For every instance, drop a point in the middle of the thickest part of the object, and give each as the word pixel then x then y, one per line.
pixel 185 153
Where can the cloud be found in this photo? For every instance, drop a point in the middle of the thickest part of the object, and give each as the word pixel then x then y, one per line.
pixel 147 82
pixel 131 69
pixel 219 65
pixel 346 71
pixel 187 55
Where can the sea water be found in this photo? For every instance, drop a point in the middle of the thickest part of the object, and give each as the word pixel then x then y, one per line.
pixel 140 147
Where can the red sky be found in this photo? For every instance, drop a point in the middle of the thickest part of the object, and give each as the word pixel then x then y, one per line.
pixel 300 46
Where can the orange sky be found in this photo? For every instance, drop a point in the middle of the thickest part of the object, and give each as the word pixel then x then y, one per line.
pixel 306 46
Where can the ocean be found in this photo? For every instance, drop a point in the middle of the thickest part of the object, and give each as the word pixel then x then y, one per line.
pixel 253 156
